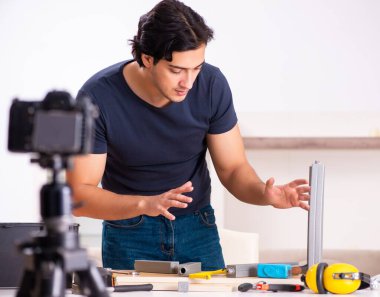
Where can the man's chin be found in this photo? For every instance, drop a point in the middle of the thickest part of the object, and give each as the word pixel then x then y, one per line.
pixel 177 99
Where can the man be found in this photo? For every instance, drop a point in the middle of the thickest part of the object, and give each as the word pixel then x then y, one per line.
pixel 158 115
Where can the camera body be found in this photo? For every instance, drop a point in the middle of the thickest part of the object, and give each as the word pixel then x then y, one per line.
pixel 56 125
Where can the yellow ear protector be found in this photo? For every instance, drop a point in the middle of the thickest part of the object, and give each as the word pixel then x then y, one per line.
pixel 339 278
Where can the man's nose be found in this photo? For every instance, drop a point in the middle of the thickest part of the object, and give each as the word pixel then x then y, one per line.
pixel 187 81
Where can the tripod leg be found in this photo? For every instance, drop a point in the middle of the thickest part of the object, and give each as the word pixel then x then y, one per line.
pixel 58 282
pixel 50 280
pixel 92 283
pixel 27 284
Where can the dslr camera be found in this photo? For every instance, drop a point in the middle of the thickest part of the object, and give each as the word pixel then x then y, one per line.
pixel 56 125
pixel 56 128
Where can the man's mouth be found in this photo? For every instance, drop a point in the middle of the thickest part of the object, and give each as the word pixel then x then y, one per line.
pixel 181 92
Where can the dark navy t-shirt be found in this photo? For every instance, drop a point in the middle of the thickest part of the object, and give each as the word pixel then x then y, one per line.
pixel 151 150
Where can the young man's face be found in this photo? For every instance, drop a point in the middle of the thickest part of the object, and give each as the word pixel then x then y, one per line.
pixel 174 79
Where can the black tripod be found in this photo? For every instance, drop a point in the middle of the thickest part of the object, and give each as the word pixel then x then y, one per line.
pixel 54 255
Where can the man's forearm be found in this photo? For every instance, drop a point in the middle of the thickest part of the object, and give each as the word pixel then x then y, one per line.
pixel 102 204
pixel 245 185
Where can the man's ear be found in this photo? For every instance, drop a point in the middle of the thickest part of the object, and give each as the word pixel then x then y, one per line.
pixel 147 60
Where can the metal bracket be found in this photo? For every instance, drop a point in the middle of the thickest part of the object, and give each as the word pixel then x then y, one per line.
pixel 315 220
pixel 191 267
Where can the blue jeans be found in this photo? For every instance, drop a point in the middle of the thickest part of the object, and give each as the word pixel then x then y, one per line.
pixel 189 238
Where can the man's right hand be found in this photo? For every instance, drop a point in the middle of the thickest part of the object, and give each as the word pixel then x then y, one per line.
pixel 159 204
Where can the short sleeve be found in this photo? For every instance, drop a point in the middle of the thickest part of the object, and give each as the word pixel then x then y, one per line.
pixel 223 116
pixel 100 139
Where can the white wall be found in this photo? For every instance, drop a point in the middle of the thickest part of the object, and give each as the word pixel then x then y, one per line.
pixel 296 67
pixel 351 200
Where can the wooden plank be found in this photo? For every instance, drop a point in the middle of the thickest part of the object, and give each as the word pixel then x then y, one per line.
pixel 217 283
pixel 355 143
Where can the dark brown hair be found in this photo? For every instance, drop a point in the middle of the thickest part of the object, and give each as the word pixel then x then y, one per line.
pixel 169 26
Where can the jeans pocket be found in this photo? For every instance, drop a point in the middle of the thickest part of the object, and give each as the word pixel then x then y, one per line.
pixel 126 224
pixel 207 217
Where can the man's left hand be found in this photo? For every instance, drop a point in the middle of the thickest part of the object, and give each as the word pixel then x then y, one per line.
pixel 293 194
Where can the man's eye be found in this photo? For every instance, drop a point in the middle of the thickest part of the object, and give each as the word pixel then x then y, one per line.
pixel 175 71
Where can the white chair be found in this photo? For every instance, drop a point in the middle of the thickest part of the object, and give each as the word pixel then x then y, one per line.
pixel 239 247
pixel 95 255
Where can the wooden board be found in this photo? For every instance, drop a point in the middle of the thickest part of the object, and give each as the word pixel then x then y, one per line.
pixel 170 282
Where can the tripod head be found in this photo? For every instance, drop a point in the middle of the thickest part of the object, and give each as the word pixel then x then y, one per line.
pixel 56 203
pixel 55 196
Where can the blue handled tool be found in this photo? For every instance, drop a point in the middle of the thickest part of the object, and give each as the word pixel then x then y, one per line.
pixel 274 270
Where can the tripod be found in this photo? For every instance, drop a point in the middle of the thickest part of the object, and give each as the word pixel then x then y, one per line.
pixel 54 255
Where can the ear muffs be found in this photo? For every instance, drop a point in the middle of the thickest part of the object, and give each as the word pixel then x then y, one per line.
pixel 339 278
pixel 320 278
pixel 314 278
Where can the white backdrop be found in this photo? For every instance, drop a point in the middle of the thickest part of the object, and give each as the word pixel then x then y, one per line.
pixel 284 56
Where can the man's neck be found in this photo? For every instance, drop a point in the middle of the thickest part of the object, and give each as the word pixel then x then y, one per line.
pixel 140 84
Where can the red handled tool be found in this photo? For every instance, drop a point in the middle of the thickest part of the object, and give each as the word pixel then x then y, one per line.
pixel 263 286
